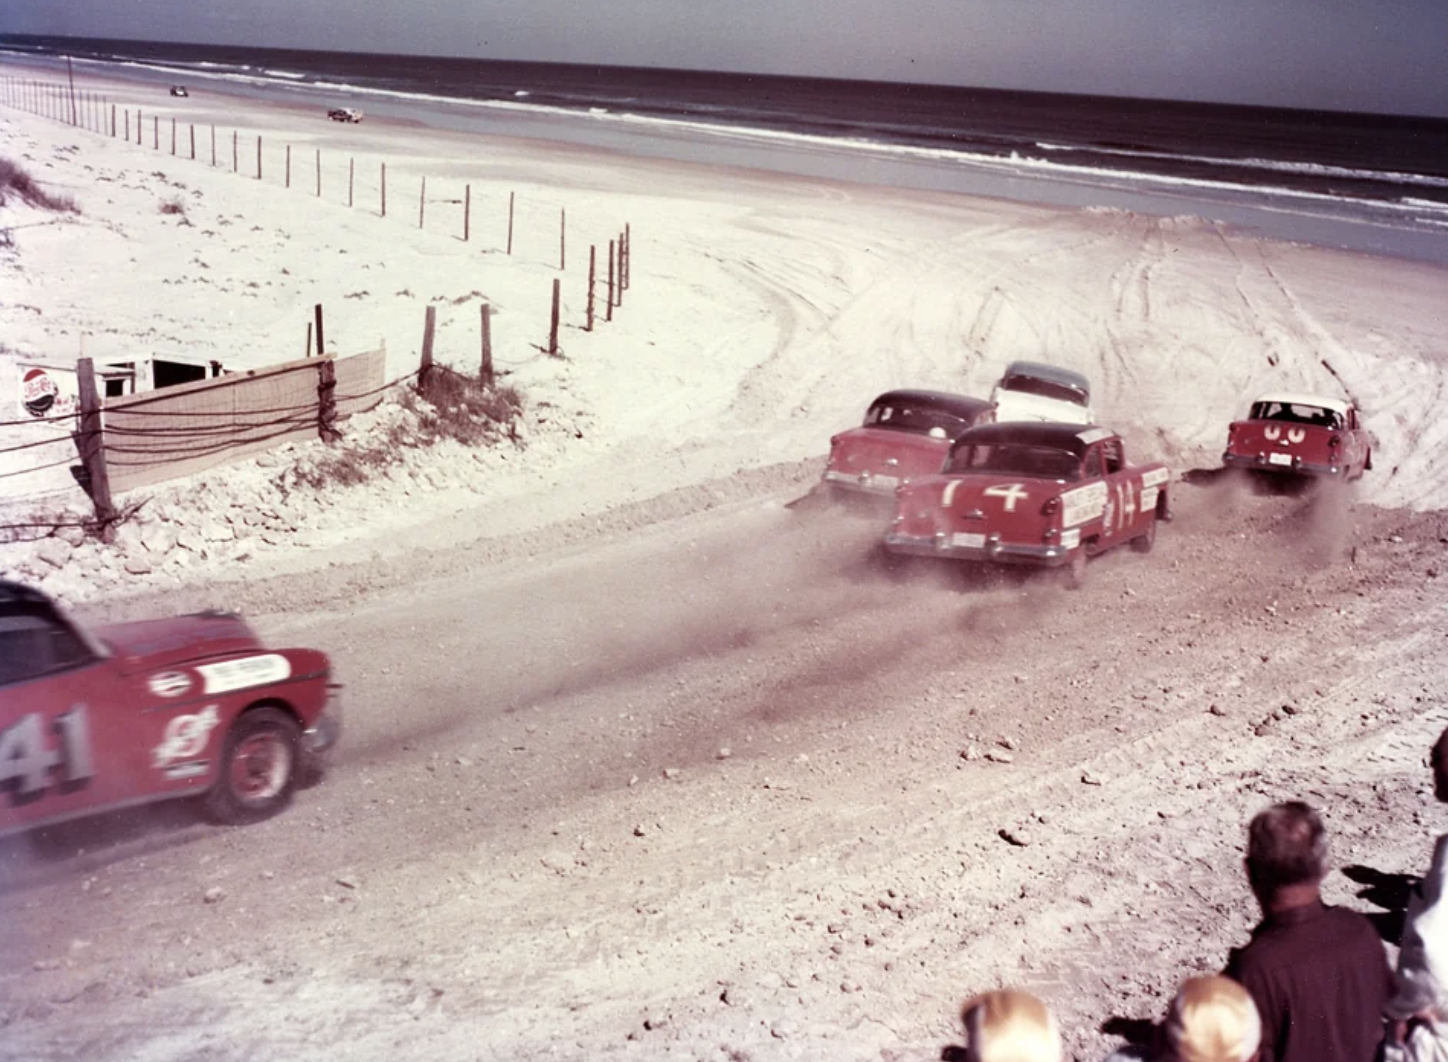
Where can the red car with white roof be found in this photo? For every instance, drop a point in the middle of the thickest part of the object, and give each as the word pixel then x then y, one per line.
pixel 128 714
pixel 1300 434
pixel 1042 494
pixel 906 434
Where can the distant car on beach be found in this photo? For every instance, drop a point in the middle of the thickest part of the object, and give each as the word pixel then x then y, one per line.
pixel 1300 435
pixel 1032 390
pixel 179 90
pixel 905 434
pixel 345 114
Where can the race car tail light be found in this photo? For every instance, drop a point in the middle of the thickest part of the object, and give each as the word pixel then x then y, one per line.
pixel 1052 506
pixel 1334 441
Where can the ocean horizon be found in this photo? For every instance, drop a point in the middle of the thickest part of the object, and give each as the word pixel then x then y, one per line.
pixel 1376 183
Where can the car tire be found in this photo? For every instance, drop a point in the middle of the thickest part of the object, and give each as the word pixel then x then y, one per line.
pixel 261 762
pixel 1143 542
pixel 1074 572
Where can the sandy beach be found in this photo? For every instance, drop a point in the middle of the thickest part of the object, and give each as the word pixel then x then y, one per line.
pixel 717 803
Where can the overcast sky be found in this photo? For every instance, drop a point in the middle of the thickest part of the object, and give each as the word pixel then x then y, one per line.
pixel 1387 56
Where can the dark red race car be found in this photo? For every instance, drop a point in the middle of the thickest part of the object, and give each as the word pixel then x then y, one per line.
pixel 1300 435
pixel 905 435
pixel 192 706
pixel 1042 494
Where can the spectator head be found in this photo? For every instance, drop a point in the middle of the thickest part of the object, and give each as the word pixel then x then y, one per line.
pixel 1286 847
pixel 1212 1019
pixel 1009 1026
pixel 1438 760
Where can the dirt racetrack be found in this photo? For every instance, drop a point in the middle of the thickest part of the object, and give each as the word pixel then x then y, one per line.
pixel 701 782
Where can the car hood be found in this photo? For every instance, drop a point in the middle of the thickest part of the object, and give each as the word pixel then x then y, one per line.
pixel 152 644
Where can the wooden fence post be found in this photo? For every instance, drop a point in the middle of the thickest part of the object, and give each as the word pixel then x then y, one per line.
pixel 155 132
pixel 627 255
pixel 421 201
pixel 321 346
pixel 562 238
pixel 618 290
pixel 235 158
pixel 173 136
pixel 467 209
pixel 327 400
pixel 319 173
pixel 592 258
pixel 92 442
pixel 486 372
pixel 289 167
pixel 113 120
pixel 384 189
pixel 128 125
pixel 608 306
pixel 510 222
pixel 193 143
pixel 307 350
pixel 424 370
pixel 553 328
pixel 351 176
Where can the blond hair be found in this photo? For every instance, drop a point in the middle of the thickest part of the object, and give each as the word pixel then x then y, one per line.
pixel 1213 1019
pixel 1010 1026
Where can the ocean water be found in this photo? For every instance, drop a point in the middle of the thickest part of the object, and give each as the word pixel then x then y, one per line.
pixel 1377 183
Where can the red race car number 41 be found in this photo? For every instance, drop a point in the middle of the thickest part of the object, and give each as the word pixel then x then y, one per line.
pixel 26 757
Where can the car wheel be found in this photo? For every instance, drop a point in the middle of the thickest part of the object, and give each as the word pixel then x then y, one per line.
pixel 1143 542
pixel 260 765
pixel 1074 573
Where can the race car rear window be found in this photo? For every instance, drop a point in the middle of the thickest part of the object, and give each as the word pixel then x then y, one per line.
pixel 1296 413
pixel 920 420
pixel 1019 459
pixel 1034 385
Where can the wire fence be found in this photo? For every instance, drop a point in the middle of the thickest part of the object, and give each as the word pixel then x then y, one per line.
pixel 141 449
pixel 535 228
pixel 159 435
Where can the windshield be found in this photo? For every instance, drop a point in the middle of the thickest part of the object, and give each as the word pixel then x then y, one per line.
pixel 1033 385
pixel 917 419
pixel 1296 413
pixel 1019 459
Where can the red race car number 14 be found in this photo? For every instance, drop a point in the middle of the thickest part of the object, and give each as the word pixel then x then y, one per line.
pixel 27 758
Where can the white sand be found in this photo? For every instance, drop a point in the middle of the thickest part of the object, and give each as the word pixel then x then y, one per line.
pixel 764 310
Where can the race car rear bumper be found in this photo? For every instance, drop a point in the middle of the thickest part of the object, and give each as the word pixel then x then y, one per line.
pixel 965 548
pixel 862 484
pixel 1263 463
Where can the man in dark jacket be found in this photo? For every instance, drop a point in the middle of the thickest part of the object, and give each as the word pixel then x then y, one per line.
pixel 1318 974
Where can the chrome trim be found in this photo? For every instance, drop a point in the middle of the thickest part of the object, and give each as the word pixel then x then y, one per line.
pixel 1298 466
pixel 1049 555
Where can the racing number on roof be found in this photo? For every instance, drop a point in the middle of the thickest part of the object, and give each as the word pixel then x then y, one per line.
pixel 26 758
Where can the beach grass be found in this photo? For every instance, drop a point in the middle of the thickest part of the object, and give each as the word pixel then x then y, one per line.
pixel 15 180
pixel 447 406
